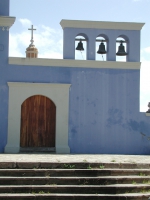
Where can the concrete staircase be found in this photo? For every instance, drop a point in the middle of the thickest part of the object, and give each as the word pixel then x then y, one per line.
pixel 74 181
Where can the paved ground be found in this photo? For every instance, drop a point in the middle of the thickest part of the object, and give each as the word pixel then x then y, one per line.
pixel 101 158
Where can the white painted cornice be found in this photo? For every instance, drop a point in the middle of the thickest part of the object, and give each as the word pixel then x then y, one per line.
pixel 7 21
pixel 39 85
pixel 101 25
pixel 73 63
pixel 147 114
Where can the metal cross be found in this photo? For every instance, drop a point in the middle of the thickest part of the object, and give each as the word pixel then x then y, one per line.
pixel 32 29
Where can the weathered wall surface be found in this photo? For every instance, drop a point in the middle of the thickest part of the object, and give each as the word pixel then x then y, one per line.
pixel 103 107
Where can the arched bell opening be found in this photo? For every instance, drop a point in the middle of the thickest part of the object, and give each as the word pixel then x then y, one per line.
pixel 81 47
pixel 121 48
pixel 101 48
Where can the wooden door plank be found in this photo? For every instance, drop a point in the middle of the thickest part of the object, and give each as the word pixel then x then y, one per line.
pixel 38 121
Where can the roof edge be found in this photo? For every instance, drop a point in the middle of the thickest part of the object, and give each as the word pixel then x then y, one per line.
pixel 7 21
pixel 101 24
pixel 73 63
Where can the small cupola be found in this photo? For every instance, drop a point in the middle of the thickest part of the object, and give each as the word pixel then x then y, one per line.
pixel 32 51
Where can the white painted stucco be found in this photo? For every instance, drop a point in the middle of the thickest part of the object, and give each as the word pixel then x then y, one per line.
pixel 73 63
pixel 19 92
pixel 147 114
pixel 101 24
pixel 7 21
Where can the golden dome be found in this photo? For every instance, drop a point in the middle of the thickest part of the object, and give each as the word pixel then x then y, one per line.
pixel 31 52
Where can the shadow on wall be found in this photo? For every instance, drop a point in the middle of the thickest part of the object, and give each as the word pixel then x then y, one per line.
pixel 142 127
pixel 116 118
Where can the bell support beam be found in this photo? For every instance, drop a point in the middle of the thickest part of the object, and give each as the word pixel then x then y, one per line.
pixel 91 48
pixel 68 44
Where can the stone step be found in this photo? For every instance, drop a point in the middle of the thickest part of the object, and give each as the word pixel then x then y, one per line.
pixel 74 172
pixel 105 181
pixel 77 189
pixel 102 180
pixel 72 165
pixel 23 196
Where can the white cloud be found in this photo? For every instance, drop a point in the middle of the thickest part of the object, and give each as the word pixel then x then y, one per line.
pixel 25 22
pixel 48 41
pixel 14 49
pixel 146 50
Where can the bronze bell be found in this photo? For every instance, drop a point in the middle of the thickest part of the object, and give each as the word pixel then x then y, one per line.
pixel 121 51
pixel 101 49
pixel 80 46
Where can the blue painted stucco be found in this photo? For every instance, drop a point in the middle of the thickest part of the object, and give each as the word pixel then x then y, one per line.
pixel 104 112
pixel 132 36
pixel 4 7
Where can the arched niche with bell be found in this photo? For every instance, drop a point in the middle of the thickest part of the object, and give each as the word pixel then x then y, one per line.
pixel 122 48
pixel 129 31
pixel 81 47
pixel 101 44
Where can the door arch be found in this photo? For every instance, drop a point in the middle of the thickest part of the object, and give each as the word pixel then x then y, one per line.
pixel 38 122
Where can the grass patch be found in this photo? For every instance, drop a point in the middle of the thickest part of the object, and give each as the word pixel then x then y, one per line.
pixel 84 160
pixel 41 192
pixel 67 166
pixel 101 166
pixel 146 181
pixel 145 190
pixel 89 167
pixel 133 182
pixel 141 174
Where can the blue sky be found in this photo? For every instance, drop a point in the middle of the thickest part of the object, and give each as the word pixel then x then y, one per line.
pixel 46 15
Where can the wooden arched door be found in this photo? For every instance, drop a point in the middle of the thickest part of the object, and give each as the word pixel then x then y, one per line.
pixel 38 121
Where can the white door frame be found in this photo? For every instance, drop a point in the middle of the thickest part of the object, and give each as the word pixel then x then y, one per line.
pixel 19 92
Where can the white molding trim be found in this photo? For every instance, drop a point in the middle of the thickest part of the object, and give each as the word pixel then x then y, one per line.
pixel 73 63
pixel 7 21
pixel 147 114
pixel 19 92
pixel 101 25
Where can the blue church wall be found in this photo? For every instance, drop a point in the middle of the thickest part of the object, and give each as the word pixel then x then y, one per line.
pixel 4 35
pixel 4 7
pixel 107 105
pixel 104 112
